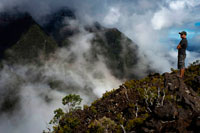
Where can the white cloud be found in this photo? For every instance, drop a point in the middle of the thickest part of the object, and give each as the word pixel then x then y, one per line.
pixel 181 4
pixel 177 5
pixel 38 100
pixel 161 19
pixel 112 17
pixel 176 13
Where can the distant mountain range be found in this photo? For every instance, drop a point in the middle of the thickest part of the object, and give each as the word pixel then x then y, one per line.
pixel 23 40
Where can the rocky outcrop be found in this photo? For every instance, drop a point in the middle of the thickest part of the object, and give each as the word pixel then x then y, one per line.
pixel 179 114
pixel 157 103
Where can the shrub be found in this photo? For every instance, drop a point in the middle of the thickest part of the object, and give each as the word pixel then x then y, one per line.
pixel 102 125
pixel 93 108
pixel 58 114
pixel 72 101
pixel 70 122
pixel 132 123
pixel 108 93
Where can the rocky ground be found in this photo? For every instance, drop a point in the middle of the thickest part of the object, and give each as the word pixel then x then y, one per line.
pixel 157 103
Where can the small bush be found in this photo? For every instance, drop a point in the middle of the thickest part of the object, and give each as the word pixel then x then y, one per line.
pixel 102 125
pixel 73 101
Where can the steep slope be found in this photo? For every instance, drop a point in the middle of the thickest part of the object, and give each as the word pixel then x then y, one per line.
pixel 157 103
pixel 23 40
pixel 120 54
pixel 57 25
pixel 31 47
pixel 12 27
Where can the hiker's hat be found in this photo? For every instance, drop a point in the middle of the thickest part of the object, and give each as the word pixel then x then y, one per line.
pixel 183 33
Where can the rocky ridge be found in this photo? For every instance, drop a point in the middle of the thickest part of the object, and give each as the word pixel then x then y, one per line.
pixel 157 103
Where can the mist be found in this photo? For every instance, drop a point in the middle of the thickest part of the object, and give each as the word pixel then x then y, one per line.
pixel 30 93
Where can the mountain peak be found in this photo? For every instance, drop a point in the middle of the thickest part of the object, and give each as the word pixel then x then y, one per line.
pixel 22 38
pixel 12 27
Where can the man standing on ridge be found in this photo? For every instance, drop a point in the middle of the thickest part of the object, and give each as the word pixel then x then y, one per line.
pixel 182 53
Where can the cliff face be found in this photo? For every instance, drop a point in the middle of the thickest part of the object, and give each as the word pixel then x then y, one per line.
pixel 157 103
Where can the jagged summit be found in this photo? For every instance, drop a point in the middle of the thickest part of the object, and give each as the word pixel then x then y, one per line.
pixel 12 27
pixel 121 54
pixel 21 34
pixel 23 39
pixel 157 103
pixel 56 23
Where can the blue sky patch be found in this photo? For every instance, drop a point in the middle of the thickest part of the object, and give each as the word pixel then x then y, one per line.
pixel 197 24
pixel 173 33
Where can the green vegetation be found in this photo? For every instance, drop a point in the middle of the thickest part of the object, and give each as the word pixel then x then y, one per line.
pixel 122 113
pixel 85 107
pixel 108 93
pixel 131 105
pixel 170 97
pixel 120 55
pixel 130 84
pixel 102 125
pixel 93 108
pixel 190 74
pixel 105 95
pixel 146 87
pixel 58 114
pixel 70 124
pixel 132 123
pixel 174 70
pixel 120 118
pixel 32 46
pixel 73 101
pixel 97 100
